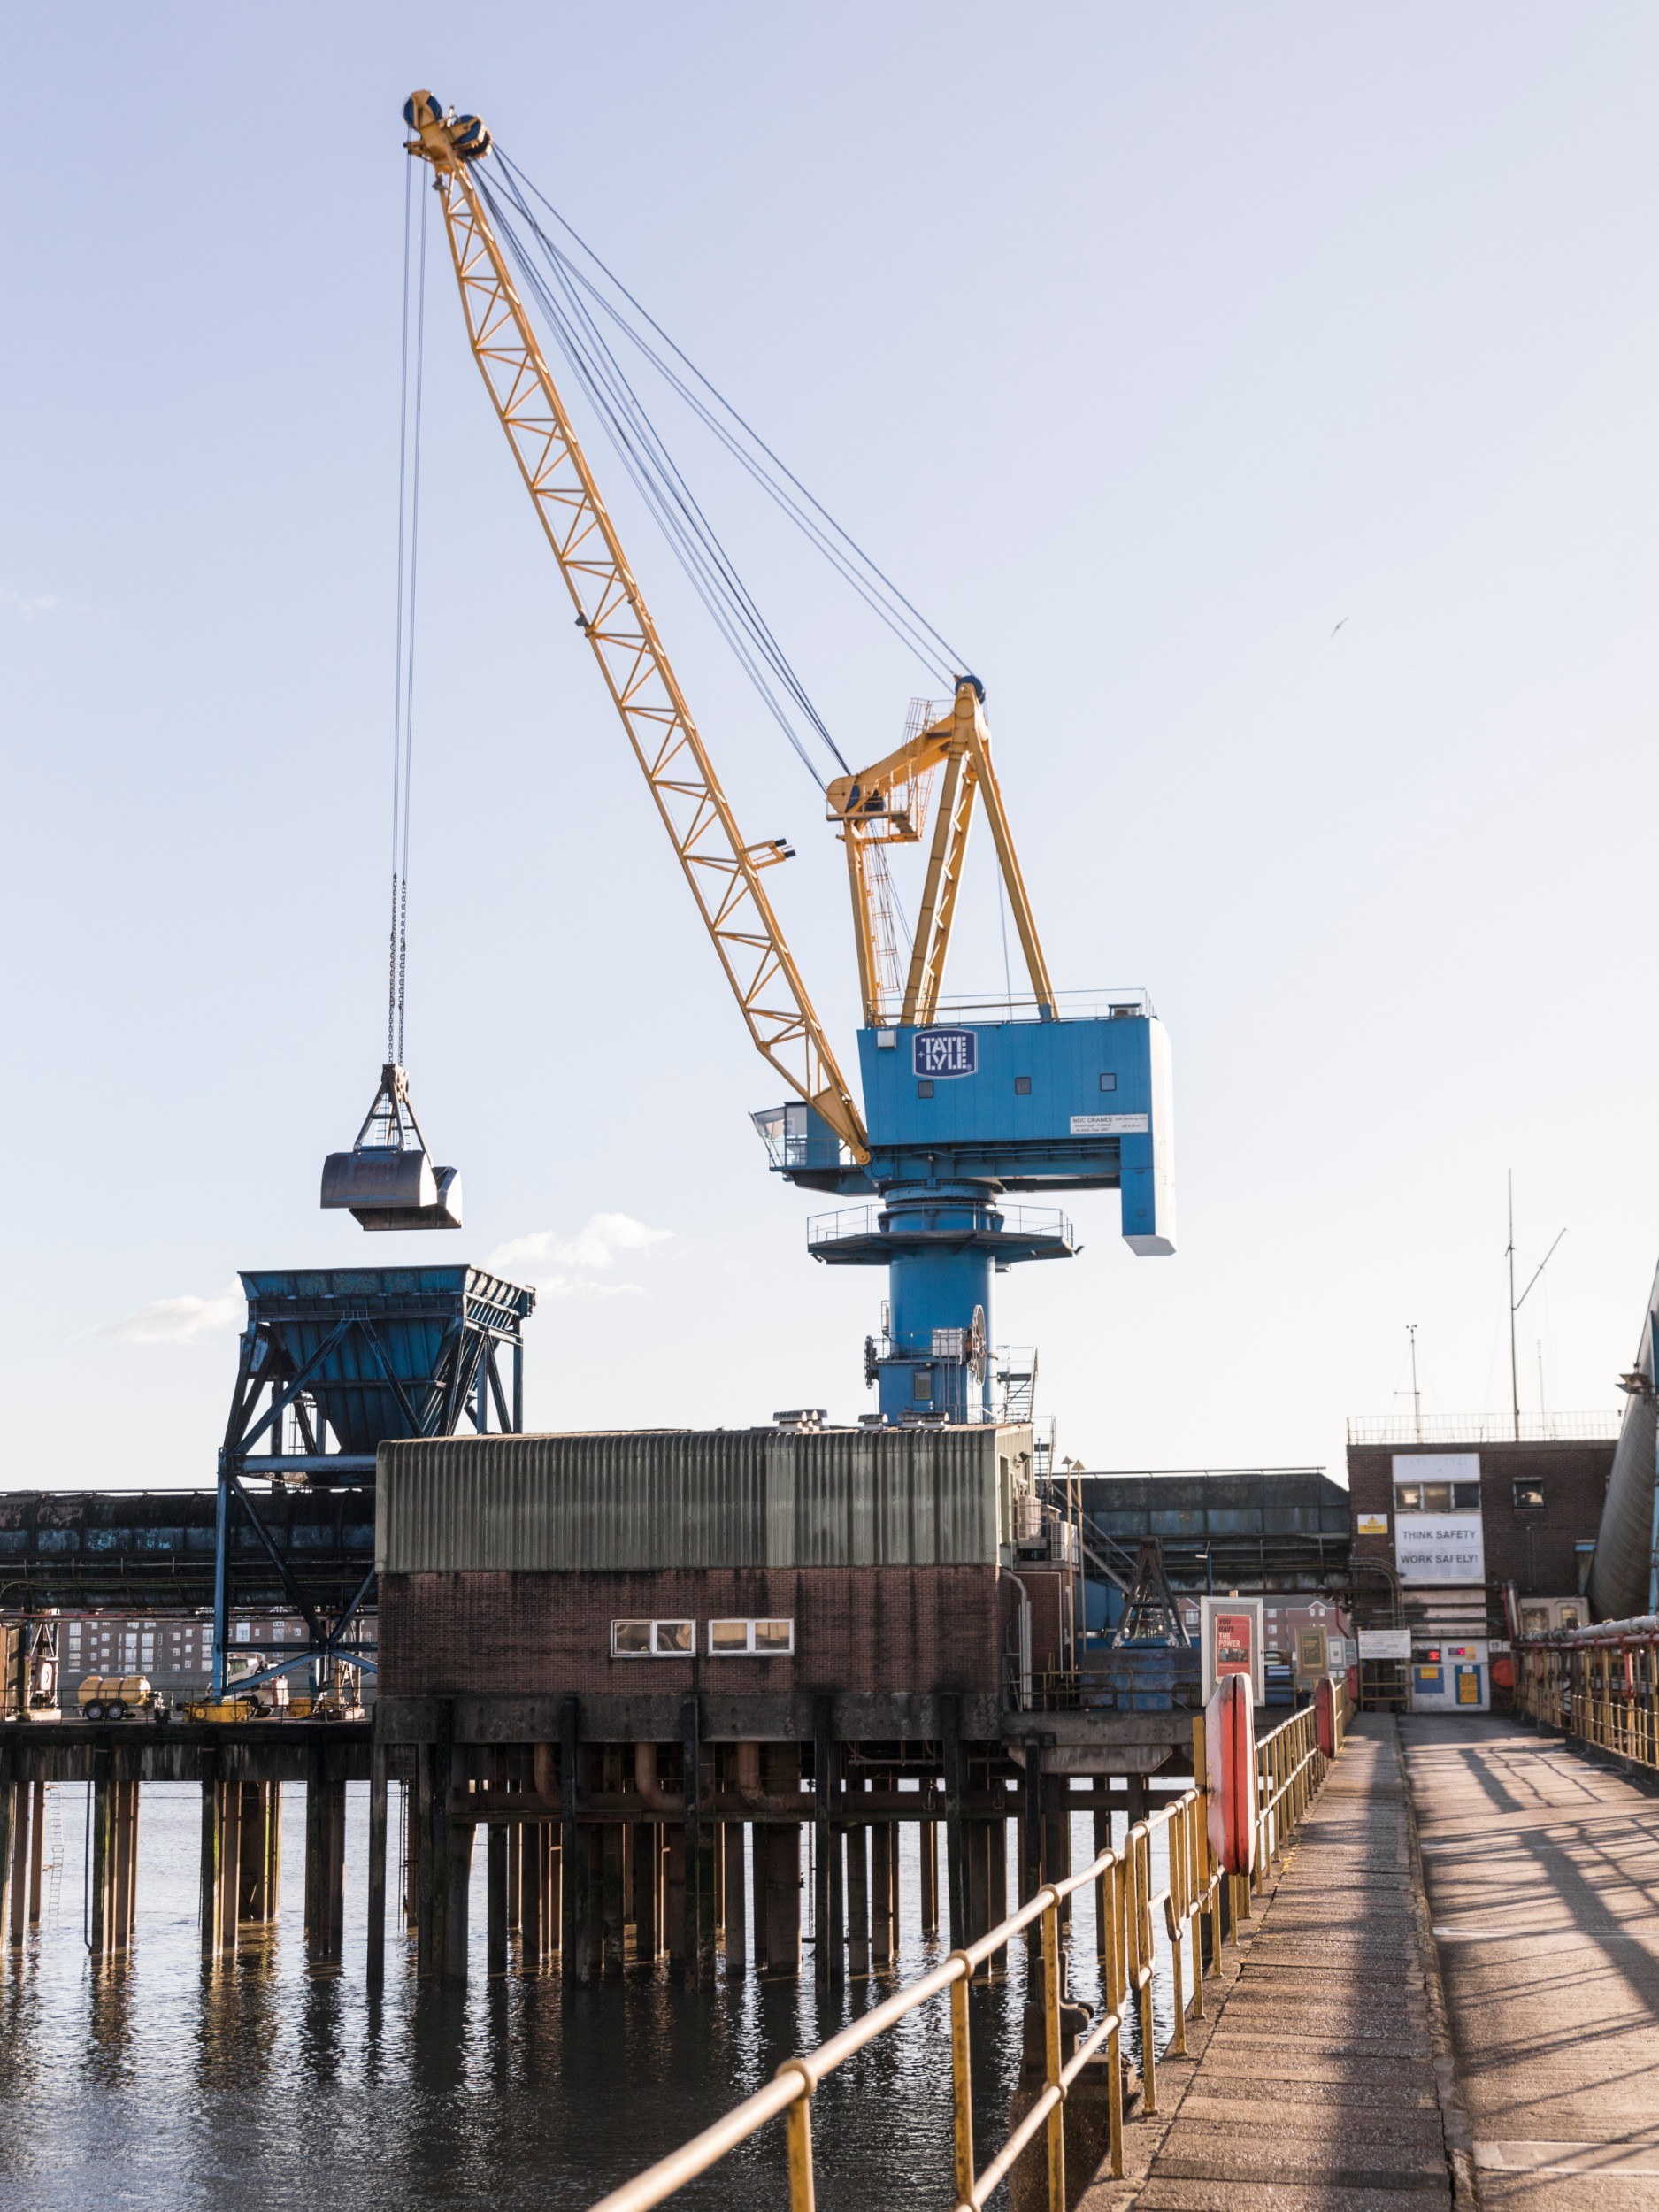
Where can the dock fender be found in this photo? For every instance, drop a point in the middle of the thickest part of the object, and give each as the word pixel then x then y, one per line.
pixel 1229 1773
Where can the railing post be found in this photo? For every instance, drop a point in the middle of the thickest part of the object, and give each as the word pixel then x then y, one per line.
pixel 962 2087
pixel 1054 2064
pixel 799 2124
pixel 1113 1900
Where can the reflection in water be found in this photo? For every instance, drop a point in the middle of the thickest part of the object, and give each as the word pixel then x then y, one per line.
pixel 159 2084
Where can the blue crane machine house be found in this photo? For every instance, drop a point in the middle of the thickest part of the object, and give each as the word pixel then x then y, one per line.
pixel 958 1113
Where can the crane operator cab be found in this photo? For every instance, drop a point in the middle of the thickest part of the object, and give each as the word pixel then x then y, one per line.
pixel 388 1180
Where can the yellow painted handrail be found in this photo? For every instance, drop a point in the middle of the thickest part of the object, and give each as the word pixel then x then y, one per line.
pixel 1290 1768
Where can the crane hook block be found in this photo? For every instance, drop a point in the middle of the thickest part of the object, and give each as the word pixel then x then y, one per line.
pixel 388 1179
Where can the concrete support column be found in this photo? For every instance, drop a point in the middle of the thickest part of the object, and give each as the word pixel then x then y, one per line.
pixel 573 1880
pixel 927 1839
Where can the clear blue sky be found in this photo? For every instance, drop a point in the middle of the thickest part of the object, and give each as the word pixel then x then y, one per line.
pixel 1144 345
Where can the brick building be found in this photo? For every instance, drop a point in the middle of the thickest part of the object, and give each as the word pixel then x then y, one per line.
pixel 1472 1531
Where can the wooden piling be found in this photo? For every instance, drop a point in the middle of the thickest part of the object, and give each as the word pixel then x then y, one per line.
pixel 858 1901
pixel 495 1899
pixel 955 1856
pixel 325 1860
pixel 7 1801
pixel 37 1851
pixel 645 1870
pixel 734 1903
pixel 374 1961
pixel 927 1839
pixel 884 1857
pixel 16 1883
pixel 825 1948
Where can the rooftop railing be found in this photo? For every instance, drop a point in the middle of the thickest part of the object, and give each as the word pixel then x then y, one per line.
pixel 1482 1428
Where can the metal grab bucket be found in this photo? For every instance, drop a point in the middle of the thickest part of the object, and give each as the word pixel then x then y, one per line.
pixel 443 1213
pixel 378 1176
pixel 388 1179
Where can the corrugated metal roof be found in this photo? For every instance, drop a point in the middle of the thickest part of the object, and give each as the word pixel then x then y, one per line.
pixel 641 1499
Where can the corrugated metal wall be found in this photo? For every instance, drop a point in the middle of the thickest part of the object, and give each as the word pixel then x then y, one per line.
pixel 698 1498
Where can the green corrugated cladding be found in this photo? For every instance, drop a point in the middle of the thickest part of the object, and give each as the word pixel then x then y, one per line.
pixel 647 1499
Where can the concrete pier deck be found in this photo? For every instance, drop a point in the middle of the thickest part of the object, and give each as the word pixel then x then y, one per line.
pixel 1542 1870
pixel 1315 2089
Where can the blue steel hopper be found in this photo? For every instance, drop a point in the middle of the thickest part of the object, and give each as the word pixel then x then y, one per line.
pixel 388 1179
pixel 334 1361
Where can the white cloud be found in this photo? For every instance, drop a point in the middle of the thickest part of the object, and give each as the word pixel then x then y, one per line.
pixel 37 606
pixel 562 1266
pixel 178 1320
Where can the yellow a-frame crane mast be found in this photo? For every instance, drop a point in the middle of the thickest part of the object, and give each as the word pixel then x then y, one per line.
pixel 723 870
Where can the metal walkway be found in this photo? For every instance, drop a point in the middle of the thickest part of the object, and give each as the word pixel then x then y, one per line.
pixel 1316 2090
pixel 1542 1868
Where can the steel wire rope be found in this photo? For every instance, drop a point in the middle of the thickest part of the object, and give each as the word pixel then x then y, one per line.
pixel 408 452
pixel 953 661
pixel 655 475
pixel 901 628
pixel 694 556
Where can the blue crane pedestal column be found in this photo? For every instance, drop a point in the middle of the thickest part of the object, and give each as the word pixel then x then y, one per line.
pixel 958 1114
pixel 941 1245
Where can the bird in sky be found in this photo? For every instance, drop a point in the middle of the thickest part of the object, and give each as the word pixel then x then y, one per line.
pixel 1338 625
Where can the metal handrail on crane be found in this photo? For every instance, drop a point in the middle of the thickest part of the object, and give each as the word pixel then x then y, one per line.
pixel 723 870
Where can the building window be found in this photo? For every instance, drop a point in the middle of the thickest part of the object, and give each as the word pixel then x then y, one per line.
pixel 1436 1497
pixel 1529 1497
pixel 1571 1616
pixel 922 1385
pixel 925 1088
pixel 1022 1087
pixel 1109 1082
pixel 751 1640
pixel 653 1639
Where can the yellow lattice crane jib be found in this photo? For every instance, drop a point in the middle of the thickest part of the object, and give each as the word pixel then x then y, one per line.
pixel 723 870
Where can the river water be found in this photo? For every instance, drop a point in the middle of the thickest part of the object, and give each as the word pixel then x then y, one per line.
pixel 160 2084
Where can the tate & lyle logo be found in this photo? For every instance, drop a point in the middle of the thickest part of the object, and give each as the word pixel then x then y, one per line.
pixel 945 1052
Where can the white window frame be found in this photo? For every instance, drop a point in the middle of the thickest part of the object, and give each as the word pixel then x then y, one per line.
pixel 748 1625
pixel 652 1652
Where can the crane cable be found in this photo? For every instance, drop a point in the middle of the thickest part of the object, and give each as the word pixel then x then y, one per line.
pixel 870 580
pixel 655 476
pixel 408 578
pixel 573 304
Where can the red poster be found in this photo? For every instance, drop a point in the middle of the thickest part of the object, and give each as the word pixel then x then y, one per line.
pixel 1234 1651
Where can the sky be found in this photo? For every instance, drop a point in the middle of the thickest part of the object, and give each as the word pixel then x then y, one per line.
pixel 1264 399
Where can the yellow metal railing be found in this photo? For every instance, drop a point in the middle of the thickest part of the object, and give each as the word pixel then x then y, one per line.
pixel 1601 1684
pixel 1289 1767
